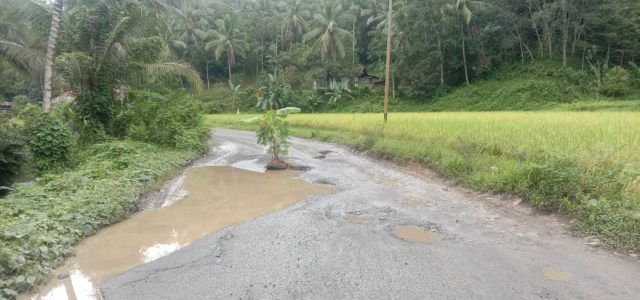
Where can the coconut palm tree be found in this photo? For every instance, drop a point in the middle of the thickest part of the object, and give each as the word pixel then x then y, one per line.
pixel 56 8
pixel 328 33
pixel 190 21
pixel 295 19
pixel 467 26
pixel 229 40
pixel 464 18
pixel 22 45
pixel 22 48
pixel 126 54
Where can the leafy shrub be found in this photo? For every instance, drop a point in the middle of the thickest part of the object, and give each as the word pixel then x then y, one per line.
pixel 13 155
pixel 19 101
pixel 157 119
pixel 617 82
pixel 50 142
pixel 29 113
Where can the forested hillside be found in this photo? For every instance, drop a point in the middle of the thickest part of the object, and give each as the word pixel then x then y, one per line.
pixel 437 45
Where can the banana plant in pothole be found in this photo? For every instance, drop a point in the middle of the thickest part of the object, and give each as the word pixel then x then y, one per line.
pixel 273 132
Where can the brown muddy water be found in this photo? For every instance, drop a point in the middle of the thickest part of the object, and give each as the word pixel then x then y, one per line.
pixel 218 197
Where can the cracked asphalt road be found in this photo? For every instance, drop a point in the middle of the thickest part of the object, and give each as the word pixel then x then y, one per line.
pixel 343 246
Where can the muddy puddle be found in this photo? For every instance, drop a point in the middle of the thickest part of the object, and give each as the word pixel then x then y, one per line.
pixel 555 275
pixel 416 203
pixel 415 234
pixel 352 218
pixel 218 197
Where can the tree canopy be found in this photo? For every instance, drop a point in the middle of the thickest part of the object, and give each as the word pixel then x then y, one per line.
pixel 436 42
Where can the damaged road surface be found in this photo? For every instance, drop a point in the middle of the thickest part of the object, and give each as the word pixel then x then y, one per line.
pixel 385 233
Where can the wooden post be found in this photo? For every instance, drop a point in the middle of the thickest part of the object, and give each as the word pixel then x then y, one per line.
pixel 388 65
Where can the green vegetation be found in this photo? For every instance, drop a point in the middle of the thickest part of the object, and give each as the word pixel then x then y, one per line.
pixel 40 223
pixel 13 155
pixel 81 186
pixel 583 164
pixel 273 131
pixel 101 138
pixel 50 142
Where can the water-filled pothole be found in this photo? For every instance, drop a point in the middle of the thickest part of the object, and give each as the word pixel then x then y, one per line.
pixel 218 197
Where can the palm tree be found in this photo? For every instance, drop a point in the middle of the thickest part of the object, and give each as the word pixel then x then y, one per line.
pixel 51 49
pixel 465 19
pixel 294 21
pixel 463 12
pixel 328 32
pixel 20 47
pixel 190 21
pixel 229 40
pixel 112 58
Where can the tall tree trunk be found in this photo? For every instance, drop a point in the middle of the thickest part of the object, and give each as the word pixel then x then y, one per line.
pixel 535 28
pixel 353 44
pixel 565 32
pixel 441 61
pixel 464 54
pixel 208 81
pixel 229 62
pixel 440 47
pixel 51 49
pixel 275 65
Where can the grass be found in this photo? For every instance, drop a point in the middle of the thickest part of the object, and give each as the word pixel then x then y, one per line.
pixel 40 223
pixel 582 164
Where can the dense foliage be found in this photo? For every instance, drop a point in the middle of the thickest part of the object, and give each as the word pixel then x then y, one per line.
pixel 437 44
pixel 13 155
pixel 173 121
pixel 50 142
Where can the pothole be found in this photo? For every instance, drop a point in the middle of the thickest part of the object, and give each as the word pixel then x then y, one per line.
pixel 300 168
pixel 323 154
pixel 555 275
pixel 352 218
pixel 415 234
pixel 386 180
pixel 416 203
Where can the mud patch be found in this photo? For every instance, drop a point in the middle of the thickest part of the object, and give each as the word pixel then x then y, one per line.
pixel 415 203
pixel 555 275
pixel 415 234
pixel 352 218
pixel 218 197
pixel 386 180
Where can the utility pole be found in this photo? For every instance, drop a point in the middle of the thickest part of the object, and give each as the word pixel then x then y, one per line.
pixel 388 66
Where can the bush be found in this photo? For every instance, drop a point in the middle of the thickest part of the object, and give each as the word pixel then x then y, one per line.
pixel 175 122
pixel 50 142
pixel 13 155
pixel 617 82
